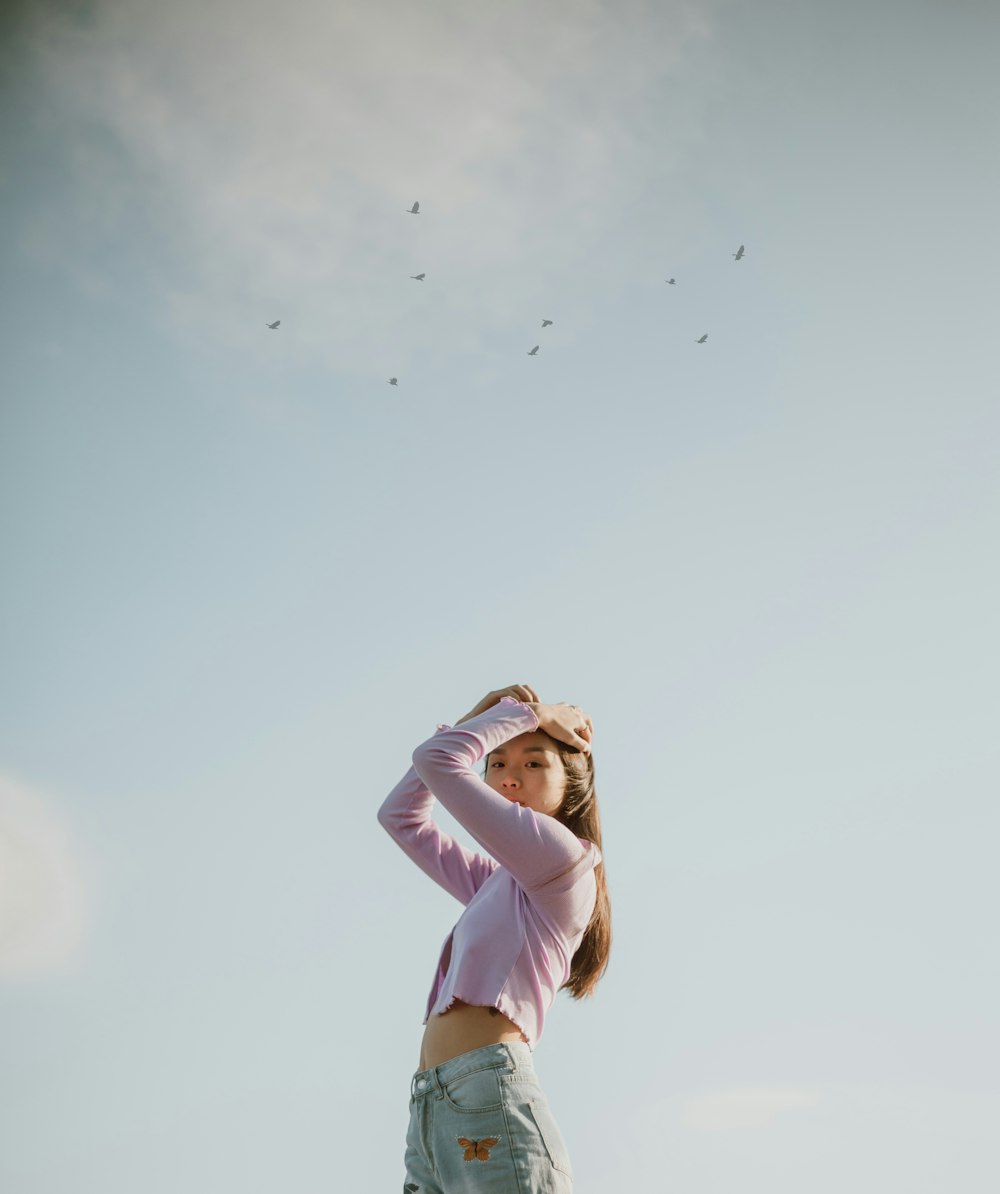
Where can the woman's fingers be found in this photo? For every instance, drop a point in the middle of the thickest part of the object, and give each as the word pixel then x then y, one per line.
pixel 586 731
pixel 570 725
pixel 588 725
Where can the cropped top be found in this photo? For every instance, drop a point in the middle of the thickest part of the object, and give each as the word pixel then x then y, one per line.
pixel 527 907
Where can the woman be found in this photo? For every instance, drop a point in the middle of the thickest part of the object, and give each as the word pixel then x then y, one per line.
pixel 537 919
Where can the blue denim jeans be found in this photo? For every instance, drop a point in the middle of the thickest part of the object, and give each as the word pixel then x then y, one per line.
pixel 480 1122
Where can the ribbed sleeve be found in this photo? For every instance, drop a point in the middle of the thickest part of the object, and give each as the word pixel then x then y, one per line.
pixel 406 815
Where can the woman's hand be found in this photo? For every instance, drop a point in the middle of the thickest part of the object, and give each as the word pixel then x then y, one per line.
pixel 568 723
pixel 521 691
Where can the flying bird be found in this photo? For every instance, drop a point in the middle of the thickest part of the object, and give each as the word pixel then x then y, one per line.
pixel 418 277
pixel 393 380
pixel 703 339
pixel 533 351
pixel 739 253
pixel 272 326
pixel 671 281
pixel 546 322
pixel 414 210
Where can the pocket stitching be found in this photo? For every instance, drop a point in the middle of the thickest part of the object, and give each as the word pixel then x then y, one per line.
pixel 493 1107
pixel 562 1168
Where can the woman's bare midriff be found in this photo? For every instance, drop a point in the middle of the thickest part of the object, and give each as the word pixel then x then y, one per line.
pixel 461 1028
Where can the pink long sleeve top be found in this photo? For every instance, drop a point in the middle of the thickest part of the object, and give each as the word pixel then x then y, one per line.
pixel 527 906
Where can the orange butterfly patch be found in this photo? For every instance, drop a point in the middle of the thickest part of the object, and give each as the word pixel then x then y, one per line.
pixel 478 1150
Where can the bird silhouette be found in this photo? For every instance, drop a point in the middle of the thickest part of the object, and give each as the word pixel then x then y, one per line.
pixel 546 322
pixel 703 339
pixel 272 326
pixel 393 380
pixel 414 210
pixel 533 351
pixel 739 253
pixel 418 277
pixel 671 281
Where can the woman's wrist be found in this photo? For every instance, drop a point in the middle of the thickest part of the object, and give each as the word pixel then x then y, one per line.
pixel 535 706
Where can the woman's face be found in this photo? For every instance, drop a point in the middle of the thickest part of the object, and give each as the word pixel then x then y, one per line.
pixel 529 771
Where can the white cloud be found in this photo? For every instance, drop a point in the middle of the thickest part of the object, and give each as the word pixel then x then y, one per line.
pixel 265 158
pixel 749 1107
pixel 45 896
pixel 824 1136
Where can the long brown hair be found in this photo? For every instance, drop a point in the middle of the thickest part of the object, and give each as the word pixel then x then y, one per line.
pixel 580 814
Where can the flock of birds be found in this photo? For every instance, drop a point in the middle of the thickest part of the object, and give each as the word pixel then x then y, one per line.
pixel 415 211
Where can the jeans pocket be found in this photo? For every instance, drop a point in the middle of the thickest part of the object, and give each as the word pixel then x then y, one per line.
pixel 550 1135
pixel 478 1091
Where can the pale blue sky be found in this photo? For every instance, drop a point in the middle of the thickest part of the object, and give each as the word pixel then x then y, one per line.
pixel 243 577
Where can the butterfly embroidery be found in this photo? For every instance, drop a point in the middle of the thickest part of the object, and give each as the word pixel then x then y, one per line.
pixel 478 1150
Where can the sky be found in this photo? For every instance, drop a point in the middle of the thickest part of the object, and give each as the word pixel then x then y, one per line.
pixel 244 576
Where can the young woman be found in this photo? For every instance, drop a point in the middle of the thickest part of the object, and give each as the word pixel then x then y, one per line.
pixel 537 919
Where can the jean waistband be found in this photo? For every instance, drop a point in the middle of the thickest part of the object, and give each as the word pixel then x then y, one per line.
pixel 507 1055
